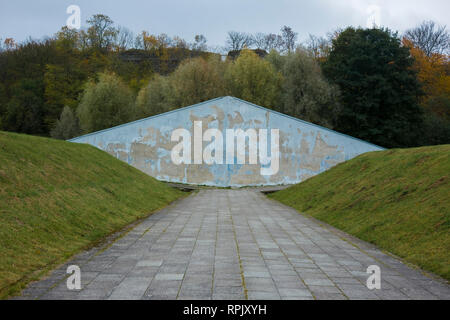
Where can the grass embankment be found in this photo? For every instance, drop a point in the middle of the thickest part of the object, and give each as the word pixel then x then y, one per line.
pixel 398 199
pixel 57 198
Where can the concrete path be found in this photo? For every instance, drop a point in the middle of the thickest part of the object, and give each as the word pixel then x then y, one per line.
pixel 235 244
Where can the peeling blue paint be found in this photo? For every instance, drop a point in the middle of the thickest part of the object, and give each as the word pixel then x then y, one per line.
pixel 306 149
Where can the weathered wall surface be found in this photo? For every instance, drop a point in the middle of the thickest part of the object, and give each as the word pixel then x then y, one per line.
pixel 305 149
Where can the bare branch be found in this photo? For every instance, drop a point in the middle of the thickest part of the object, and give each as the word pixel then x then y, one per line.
pixel 289 38
pixel 238 40
pixel 430 38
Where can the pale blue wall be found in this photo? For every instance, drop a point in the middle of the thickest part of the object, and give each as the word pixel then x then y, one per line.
pixel 306 149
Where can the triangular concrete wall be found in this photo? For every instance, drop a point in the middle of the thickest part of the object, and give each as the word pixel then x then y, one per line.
pixel 305 149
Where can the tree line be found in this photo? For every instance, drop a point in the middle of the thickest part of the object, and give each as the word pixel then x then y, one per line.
pixel 370 83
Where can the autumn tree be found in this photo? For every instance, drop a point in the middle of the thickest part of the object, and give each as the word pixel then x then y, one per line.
pixel 39 78
pixel 433 72
pixel 254 79
pixel 199 80
pixel 146 41
pixel 9 44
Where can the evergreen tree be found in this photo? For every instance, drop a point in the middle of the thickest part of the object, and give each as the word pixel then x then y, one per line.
pixel 379 89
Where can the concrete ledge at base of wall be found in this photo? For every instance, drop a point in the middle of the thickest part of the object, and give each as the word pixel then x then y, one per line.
pixel 192 187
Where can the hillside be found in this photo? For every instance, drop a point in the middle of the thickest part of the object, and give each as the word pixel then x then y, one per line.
pixel 57 198
pixel 398 199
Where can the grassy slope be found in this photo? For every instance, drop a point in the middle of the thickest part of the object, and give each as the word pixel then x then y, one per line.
pixel 397 199
pixel 57 198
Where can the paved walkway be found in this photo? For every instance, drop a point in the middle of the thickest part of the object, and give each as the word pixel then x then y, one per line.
pixel 235 244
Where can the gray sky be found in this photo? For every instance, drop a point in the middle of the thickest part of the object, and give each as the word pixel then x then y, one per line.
pixel 213 18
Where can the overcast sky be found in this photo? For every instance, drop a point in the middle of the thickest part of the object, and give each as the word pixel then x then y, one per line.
pixel 20 19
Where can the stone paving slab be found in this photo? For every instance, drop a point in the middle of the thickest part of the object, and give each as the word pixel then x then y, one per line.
pixel 236 244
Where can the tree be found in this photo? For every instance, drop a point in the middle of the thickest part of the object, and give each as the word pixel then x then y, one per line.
pixel 379 89
pixel 238 40
pixel 199 43
pixel 146 41
pixel 67 125
pixel 63 77
pixel 155 98
pixel 273 42
pixel 289 37
pixel 259 41
pixel 193 81
pixel 10 44
pixel 3 101
pixel 198 80
pixel 83 40
pixel 430 38
pixel 105 104
pixel 63 85
pixel 268 42
pixel 67 39
pixel 433 72
pixel 435 130
pixel 306 94
pixel 22 76
pixel 277 60
pixel 123 39
pixel 254 79
pixel 24 112
pixel 179 43
pixel 434 76
pixel 39 78
pixel 101 33
pixel 164 41
pixel 319 47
